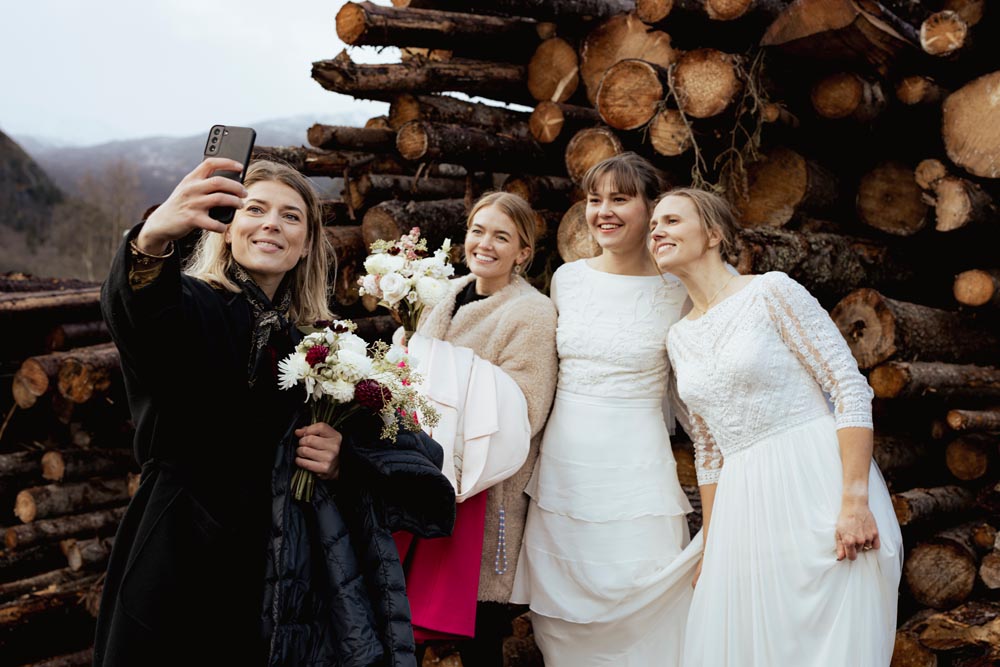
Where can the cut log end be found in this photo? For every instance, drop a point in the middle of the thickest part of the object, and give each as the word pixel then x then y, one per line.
pixel 940 575
pixel 25 508
pixel 838 95
pixel 653 11
pixel 888 380
pixel 968 458
pixel 587 148
pixel 777 184
pixel 943 33
pixel 707 82
pixel 574 240
pixel 975 287
pixel 546 122
pixel 929 172
pixel 412 140
pixel 351 24
pixel 969 119
pixel 890 200
pixel 913 90
pixel 867 325
pixel 53 466
pixel 618 38
pixel 629 94
pixel 669 134
pixel 553 71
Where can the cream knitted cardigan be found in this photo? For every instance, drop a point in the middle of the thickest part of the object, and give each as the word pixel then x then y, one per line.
pixel 514 329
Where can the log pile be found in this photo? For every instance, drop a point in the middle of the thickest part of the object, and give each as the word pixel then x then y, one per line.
pixel 857 140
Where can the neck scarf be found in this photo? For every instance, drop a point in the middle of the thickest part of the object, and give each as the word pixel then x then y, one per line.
pixel 269 316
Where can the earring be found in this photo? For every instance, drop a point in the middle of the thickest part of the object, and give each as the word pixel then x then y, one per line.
pixel 517 269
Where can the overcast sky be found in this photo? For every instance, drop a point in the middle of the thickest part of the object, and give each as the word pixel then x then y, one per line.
pixel 93 71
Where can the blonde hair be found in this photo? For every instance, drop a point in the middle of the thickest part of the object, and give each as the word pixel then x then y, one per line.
pixel 630 174
pixel 520 213
pixel 715 213
pixel 212 256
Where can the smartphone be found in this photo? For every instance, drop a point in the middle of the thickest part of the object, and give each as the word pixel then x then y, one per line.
pixel 235 143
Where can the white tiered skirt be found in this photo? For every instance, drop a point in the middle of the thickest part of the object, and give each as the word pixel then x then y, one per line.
pixel 772 591
pixel 606 565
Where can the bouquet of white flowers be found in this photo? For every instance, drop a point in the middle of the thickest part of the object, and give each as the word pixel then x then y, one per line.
pixel 405 278
pixel 342 375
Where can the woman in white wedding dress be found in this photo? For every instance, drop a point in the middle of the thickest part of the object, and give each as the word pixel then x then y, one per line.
pixel 603 563
pixel 803 552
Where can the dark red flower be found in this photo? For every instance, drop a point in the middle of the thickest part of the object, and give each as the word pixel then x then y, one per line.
pixel 317 354
pixel 372 395
pixel 322 324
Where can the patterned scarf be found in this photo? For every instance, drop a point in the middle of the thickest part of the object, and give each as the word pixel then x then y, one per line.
pixel 268 316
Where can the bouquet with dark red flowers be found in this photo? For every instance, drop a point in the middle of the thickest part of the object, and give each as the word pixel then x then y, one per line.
pixel 342 375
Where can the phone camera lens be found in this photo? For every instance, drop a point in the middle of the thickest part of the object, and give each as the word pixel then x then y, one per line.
pixel 216 131
pixel 214 139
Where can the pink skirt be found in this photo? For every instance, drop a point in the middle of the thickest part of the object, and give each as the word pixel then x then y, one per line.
pixel 442 575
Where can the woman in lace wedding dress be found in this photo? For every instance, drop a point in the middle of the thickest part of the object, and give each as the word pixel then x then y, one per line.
pixel 803 552
pixel 603 563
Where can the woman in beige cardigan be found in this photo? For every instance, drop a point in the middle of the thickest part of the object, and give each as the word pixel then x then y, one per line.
pixel 508 323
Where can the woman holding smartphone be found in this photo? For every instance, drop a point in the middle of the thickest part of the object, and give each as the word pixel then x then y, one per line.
pixel 199 350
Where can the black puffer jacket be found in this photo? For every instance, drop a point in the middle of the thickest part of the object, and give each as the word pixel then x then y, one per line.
pixel 335 592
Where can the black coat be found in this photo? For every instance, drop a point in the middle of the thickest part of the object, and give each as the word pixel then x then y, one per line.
pixel 336 593
pixel 184 582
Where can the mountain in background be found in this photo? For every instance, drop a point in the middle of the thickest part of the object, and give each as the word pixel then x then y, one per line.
pixel 161 162
pixel 27 194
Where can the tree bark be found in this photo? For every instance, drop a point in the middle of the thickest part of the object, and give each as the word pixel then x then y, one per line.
pixel 370 189
pixel 617 38
pixel 26 562
pixel 550 120
pixel 781 184
pixel 944 34
pixel 474 148
pixel 941 572
pixel 968 125
pixel 978 287
pixel 21 464
pixel 553 71
pixel 36 376
pixel 908 651
pixel 52 530
pixel 974 420
pixel 92 553
pixel 498 81
pixel 336 137
pixel 573 239
pixel 26 624
pixel 969 457
pixel 630 93
pixel 333 164
pixel 707 82
pixel 897 456
pixel 42 502
pixel 350 251
pixel 84 658
pixel 437 219
pixel 974 624
pixel 841 31
pixel 76 334
pixel 846 95
pixel 55 578
pixel 890 200
pixel 829 265
pixel 520 648
pixel 588 147
pixel 474 35
pixel 78 464
pixel 445 109
pixel 541 9
pixel 919 505
pixel 88 371
pixel 878 329
pixel 919 90
pixel 900 379
pixel 544 192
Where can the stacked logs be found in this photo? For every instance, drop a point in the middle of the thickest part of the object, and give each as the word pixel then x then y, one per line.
pixel 857 141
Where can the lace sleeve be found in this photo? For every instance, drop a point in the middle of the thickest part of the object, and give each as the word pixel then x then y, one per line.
pixel 812 336
pixel 707 455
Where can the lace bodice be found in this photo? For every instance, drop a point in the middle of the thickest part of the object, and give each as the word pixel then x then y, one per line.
pixel 762 360
pixel 612 329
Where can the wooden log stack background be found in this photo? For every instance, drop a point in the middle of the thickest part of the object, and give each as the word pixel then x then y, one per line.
pixel 859 141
